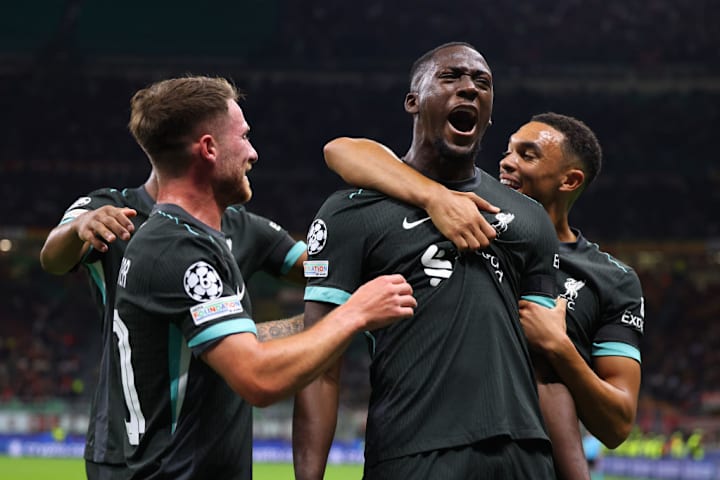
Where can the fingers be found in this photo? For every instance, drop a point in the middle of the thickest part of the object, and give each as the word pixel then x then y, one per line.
pixel 483 204
pixel 561 303
pixel 399 294
pixel 97 243
pixel 105 225
pixel 401 288
pixel 470 230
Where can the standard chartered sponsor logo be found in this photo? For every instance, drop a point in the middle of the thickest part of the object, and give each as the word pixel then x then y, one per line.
pixel 437 267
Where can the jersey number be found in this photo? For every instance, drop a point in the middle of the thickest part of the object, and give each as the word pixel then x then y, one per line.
pixel 136 426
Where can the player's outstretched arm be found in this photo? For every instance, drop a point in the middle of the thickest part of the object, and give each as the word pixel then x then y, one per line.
pixel 606 399
pixel 279 328
pixel 67 243
pixel 369 164
pixel 273 370
pixel 315 413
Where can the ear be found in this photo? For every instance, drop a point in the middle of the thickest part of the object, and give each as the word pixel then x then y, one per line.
pixel 411 102
pixel 574 179
pixel 207 147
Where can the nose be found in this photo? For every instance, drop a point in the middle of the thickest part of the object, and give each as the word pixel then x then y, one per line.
pixel 253 157
pixel 508 164
pixel 467 88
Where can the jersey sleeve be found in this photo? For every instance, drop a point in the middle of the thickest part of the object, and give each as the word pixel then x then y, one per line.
pixel 92 201
pixel 335 252
pixel 200 293
pixel 259 243
pixel 623 311
pixel 539 280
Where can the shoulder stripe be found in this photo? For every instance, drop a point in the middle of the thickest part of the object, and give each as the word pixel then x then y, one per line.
pixel 540 300
pixel 327 295
pixel 616 349
pixel 171 217
pixel 609 258
pixel 292 256
pixel 71 215
pixel 187 227
pixel 223 329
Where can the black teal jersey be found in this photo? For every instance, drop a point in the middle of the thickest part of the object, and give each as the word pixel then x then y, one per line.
pixel 258 243
pixel 605 309
pixel 459 371
pixel 179 293
pixel 106 433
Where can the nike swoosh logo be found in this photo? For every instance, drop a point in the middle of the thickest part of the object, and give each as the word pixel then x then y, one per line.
pixel 408 225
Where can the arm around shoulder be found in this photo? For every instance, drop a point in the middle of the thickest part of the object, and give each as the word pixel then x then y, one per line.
pixel 368 164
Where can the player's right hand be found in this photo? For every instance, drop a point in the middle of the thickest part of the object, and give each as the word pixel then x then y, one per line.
pixel 105 225
pixel 383 301
pixel 457 216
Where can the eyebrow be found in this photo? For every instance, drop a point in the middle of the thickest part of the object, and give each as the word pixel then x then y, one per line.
pixel 466 70
pixel 528 146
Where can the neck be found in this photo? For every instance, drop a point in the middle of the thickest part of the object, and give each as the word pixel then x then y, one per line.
pixel 559 216
pixel 193 198
pixel 151 185
pixel 428 161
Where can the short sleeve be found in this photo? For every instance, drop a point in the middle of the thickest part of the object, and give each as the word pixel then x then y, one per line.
pixel 335 251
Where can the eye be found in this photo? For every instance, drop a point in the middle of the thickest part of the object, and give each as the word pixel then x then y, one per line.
pixel 482 81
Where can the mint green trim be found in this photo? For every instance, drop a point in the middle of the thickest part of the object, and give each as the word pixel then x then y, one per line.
pixel 98 278
pixel 292 257
pixel 327 295
pixel 616 349
pixel 223 329
pixel 540 300
pixel 178 367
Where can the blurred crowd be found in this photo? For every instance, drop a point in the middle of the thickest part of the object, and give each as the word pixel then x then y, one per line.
pixel 49 332
pixel 572 31
pixel 659 179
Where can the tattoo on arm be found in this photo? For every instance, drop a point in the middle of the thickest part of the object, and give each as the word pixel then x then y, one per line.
pixel 280 328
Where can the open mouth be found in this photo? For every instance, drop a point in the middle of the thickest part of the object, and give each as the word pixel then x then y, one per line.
pixel 510 182
pixel 463 119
